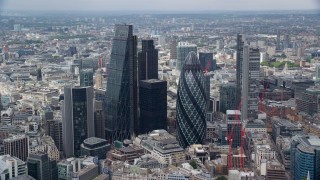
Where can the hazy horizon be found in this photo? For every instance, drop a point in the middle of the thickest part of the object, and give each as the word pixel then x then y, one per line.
pixel 159 5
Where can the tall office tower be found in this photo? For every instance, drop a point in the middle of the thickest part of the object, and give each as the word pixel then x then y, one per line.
pixel 250 83
pixel 77 118
pixel 86 77
pixel 148 61
pixel 173 48
pixel 39 166
pixel 17 146
pixel 304 156
pixel 153 105
pixel 227 97
pixel 207 62
pixel 233 126
pixel 11 167
pixel 191 103
pixel 239 60
pixel 183 49
pixel 99 119
pixel 121 96
pixel 278 45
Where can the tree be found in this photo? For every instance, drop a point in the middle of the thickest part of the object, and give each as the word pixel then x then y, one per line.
pixel 221 178
pixel 194 164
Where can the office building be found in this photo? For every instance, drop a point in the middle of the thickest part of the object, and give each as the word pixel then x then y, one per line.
pixel 173 48
pixel 162 146
pixel 239 59
pixel 191 103
pixel 304 154
pixel 148 61
pixel 99 119
pixel 285 128
pixel 207 62
pixel 234 126
pixel 78 118
pixel 54 130
pixel 95 147
pixel 40 167
pixel 308 101
pixel 121 95
pixel 228 97
pixel 250 83
pixel 88 172
pixel 183 49
pixel 275 171
pixel 86 77
pixel 11 167
pixel 17 146
pixel 153 105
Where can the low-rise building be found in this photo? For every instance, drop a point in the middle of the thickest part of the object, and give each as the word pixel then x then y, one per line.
pixel 162 146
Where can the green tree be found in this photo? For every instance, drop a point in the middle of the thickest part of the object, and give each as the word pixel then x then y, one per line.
pixel 194 164
pixel 221 178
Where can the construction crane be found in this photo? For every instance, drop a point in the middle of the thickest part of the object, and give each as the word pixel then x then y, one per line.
pixel 230 136
pixel 207 67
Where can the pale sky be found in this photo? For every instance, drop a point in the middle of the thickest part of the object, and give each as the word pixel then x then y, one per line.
pixel 159 5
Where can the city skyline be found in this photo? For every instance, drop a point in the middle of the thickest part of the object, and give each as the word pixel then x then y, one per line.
pixel 165 5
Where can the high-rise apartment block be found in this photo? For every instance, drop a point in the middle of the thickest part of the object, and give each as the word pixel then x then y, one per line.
pixel 78 118
pixel 121 96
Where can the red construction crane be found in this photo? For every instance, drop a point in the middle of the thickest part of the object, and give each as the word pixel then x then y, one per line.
pixel 230 136
pixel 208 65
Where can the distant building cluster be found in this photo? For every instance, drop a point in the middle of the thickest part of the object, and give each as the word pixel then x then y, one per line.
pixel 170 96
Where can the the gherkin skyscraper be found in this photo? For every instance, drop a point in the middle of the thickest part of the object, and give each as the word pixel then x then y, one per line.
pixel 191 103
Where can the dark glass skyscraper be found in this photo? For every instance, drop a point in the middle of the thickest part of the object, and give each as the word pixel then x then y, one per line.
pixel 77 118
pixel 153 105
pixel 148 61
pixel 239 60
pixel 191 103
pixel 121 95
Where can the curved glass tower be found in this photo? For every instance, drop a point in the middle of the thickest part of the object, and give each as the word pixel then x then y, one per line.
pixel 191 103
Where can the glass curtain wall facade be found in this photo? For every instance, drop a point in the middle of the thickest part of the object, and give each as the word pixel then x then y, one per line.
pixel 121 95
pixel 148 61
pixel 78 118
pixel 191 103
